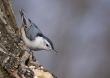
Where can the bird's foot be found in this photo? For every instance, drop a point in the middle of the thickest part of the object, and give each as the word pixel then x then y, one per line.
pixel 33 57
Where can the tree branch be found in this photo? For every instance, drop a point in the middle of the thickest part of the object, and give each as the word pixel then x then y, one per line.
pixel 15 61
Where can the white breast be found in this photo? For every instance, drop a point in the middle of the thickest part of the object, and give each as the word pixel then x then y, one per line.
pixel 37 43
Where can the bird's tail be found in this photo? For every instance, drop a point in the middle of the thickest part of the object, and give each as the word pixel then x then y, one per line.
pixel 21 13
pixel 25 20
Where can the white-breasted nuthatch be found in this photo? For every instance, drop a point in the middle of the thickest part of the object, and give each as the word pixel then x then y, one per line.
pixel 32 36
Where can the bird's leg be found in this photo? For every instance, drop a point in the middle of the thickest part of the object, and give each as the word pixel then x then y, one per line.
pixel 33 57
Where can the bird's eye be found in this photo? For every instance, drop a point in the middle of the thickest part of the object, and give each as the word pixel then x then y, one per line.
pixel 47 45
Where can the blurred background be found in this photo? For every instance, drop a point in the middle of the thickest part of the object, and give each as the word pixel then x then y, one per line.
pixel 80 31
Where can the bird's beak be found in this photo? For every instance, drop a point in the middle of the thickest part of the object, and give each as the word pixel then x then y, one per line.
pixel 55 51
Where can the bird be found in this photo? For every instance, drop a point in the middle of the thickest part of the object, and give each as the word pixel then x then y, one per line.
pixel 33 37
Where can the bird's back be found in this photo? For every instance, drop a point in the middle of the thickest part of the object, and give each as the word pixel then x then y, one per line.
pixel 32 31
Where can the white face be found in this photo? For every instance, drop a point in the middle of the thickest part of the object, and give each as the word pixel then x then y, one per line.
pixel 47 45
pixel 41 43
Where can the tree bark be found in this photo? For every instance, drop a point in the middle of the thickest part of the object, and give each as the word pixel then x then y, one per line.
pixel 15 61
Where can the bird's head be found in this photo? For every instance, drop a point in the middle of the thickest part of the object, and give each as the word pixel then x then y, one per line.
pixel 46 44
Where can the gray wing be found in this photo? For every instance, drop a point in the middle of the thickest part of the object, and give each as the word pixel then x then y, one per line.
pixel 32 31
pixel 30 28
